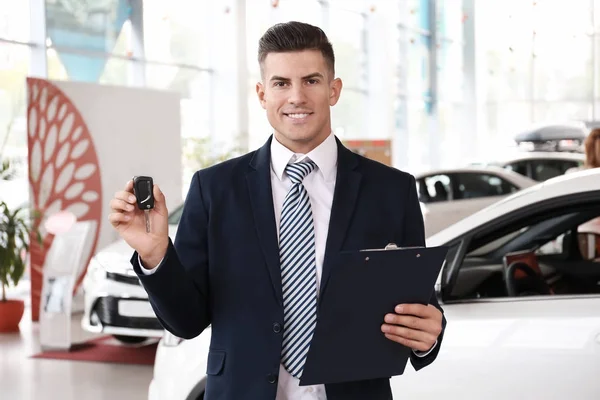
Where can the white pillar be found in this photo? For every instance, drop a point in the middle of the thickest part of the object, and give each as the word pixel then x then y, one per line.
pixel 230 76
pixel 471 110
pixel 38 65
pixel 138 68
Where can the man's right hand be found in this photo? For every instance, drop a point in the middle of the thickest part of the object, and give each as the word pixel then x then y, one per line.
pixel 130 222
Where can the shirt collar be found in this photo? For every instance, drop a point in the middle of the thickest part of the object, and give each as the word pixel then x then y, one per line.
pixel 324 155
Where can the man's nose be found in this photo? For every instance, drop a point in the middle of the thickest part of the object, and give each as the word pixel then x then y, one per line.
pixel 297 96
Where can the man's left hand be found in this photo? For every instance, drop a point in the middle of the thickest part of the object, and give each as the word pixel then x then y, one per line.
pixel 414 325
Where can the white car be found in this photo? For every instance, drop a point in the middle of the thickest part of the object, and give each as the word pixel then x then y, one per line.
pixel 521 293
pixel 115 301
pixel 540 165
pixel 447 196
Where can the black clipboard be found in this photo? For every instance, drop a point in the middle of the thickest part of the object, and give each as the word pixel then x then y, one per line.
pixel 348 344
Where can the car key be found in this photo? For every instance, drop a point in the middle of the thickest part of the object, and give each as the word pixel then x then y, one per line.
pixel 143 189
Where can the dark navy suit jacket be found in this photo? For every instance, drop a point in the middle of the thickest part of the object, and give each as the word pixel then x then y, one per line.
pixel 223 268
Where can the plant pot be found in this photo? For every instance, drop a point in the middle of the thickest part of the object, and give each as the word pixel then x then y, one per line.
pixel 11 312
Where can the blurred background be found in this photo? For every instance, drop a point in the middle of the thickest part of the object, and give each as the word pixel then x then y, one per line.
pixel 446 81
pixel 479 99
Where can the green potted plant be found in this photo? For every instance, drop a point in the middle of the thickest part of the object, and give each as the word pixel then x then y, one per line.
pixel 15 230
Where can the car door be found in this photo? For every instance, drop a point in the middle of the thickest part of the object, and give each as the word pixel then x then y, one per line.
pixel 524 349
pixel 530 347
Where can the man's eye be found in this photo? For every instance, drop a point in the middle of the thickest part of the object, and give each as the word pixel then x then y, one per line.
pixel 279 84
pixel 313 81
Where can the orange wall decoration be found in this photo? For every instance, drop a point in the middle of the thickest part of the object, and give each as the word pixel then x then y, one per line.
pixel 64 173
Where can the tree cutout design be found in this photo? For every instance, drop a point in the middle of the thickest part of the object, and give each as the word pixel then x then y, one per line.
pixel 64 173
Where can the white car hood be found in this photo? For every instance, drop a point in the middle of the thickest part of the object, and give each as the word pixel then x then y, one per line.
pixel 117 255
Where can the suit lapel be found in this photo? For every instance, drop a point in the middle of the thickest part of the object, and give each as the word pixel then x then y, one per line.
pixel 344 199
pixel 258 179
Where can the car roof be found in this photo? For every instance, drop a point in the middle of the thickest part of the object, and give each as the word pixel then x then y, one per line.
pixel 536 155
pixel 515 178
pixel 577 182
pixel 470 168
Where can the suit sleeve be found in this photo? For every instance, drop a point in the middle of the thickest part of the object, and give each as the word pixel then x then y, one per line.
pixel 414 235
pixel 178 289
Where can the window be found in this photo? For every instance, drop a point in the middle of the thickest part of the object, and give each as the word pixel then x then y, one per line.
pixel 347 33
pixel 474 185
pixel 14 64
pixel 177 31
pixel 14 21
pixel 563 66
pixel 435 188
pixel 562 110
pixel 520 167
pixel 545 169
pixel 556 244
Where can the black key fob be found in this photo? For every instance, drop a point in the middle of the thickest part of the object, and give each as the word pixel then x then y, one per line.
pixel 143 189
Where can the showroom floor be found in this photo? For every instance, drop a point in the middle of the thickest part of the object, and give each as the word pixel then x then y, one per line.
pixel 24 378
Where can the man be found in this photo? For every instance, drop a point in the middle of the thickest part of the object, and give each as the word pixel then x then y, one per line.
pixel 258 237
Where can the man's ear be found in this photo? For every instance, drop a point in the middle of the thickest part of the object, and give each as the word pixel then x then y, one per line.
pixel 260 92
pixel 335 89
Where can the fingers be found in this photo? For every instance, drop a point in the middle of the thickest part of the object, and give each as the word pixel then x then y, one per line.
pixel 408 321
pixel 430 325
pixel 412 344
pixel 408 333
pixel 117 218
pixel 160 204
pixel 129 186
pixel 117 204
pixel 159 197
pixel 125 196
pixel 122 205
pixel 418 310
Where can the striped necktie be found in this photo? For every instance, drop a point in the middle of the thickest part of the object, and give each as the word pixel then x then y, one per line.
pixel 298 270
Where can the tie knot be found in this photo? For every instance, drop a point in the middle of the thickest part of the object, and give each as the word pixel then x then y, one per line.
pixel 298 171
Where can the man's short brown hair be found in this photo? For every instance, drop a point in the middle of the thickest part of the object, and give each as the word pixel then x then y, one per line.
pixel 295 36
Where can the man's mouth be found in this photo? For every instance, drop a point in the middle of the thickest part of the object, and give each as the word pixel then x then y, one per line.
pixel 297 116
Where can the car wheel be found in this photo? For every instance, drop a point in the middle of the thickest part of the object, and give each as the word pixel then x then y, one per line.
pixel 130 339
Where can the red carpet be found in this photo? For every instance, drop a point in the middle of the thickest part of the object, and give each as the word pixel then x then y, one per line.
pixel 106 350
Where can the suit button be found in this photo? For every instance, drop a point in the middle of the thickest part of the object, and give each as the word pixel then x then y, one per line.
pixel 271 378
pixel 276 327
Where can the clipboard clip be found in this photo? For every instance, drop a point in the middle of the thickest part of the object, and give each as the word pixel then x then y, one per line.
pixel 393 246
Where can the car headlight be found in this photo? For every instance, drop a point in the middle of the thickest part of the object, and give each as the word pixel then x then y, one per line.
pixel 95 271
pixel 170 340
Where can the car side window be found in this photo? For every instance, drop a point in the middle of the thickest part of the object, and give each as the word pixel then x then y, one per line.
pixel 561 251
pixel 422 191
pixel 437 188
pixel 520 167
pixel 474 185
pixel 543 170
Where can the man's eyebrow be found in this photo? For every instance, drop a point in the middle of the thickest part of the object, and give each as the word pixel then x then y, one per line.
pixel 309 76
pixel 313 75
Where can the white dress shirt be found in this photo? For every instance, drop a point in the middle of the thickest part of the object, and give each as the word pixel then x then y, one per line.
pixel 320 185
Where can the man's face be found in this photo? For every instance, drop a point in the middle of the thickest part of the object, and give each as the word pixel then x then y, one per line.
pixel 297 90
